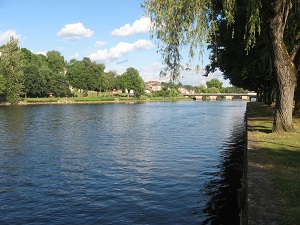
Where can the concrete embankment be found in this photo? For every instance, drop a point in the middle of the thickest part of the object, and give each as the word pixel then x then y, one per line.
pixel 257 197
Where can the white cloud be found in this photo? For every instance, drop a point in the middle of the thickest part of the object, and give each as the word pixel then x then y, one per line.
pixel 75 56
pixel 41 52
pixel 119 50
pixel 139 26
pixel 74 31
pixel 5 36
pixel 100 43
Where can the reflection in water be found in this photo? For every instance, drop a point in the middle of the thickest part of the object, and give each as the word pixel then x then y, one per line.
pixel 120 164
pixel 221 190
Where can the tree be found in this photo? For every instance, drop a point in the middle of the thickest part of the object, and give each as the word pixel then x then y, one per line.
pixel 200 89
pixel 215 82
pixel 131 80
pixel 92 73
pixel 34 82
pixel 60 85
pixel 56 62
pixel 188 87
pixel 251 69
pixel 46 73
pixel 213 90
pixel 179 23
pixel 75 74
pixel 85 74
pixel 108 80
pixel 2 84
pixel 278 12
pixel 11 69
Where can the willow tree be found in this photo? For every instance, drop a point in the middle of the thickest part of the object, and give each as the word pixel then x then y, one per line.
pixel 192 23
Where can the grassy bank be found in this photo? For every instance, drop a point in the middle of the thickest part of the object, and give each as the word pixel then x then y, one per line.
pixel 100 99
pixel 281 154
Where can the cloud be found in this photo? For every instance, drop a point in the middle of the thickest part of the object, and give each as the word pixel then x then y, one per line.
pixel 41 52
pixel 75 56
pixel 5 36
pixel 75 31
pixel 119 50
pixel 139 26
pixel 100 43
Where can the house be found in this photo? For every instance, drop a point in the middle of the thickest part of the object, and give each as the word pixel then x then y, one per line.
pixel 184 91
pixel 152 86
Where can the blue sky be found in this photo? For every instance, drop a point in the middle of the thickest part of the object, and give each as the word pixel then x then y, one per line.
pixel 112 32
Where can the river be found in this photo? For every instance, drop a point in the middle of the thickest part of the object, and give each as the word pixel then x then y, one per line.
pixel 147 163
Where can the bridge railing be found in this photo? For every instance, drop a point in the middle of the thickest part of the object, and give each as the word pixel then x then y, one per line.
pixel 215 96
pixel 222 94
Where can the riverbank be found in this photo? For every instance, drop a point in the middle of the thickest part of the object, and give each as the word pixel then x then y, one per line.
pixel 91 100
pixel 272 170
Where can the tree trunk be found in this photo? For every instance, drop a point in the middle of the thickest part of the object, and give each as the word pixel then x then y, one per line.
pixel 297 97
pixel 285 71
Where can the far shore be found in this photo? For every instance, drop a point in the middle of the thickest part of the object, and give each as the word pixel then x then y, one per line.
pixel 62 101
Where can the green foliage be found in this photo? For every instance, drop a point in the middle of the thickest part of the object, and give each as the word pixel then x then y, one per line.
pixel 200 89
pixel 86 75
pixel 34 82
pixel 176 24
pixel 234 90
pixel 188 87
pixel 108 81
pixel 56 62
pixel 60 85
pixel 215 82
pixel 131 80
pixel 212 90
pixel 11 71
pixel 2 84
pixel 165 93
pixel 75 75
pixel 215 86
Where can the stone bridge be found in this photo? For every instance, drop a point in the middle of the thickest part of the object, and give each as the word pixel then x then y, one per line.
pixel 226 96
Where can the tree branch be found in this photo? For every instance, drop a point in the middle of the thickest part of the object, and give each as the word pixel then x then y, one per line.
pixel 285 14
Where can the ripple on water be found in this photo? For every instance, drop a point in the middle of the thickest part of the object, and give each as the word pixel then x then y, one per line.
pixel 170 163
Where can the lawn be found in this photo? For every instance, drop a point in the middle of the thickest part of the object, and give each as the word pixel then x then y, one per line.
pixel 281 152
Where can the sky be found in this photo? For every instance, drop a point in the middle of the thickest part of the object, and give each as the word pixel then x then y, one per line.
pixel 113 32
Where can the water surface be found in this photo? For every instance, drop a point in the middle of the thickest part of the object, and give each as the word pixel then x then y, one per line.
pixel 150 163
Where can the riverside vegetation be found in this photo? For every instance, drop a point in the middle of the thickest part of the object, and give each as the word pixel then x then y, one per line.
pixel 280 153
pixel 25 75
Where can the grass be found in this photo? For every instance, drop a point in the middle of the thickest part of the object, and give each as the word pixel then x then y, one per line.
pixel 41 99
pixel 99 99
pixel 281 154
pixel 84 99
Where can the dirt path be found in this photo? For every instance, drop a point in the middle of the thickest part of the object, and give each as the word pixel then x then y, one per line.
pixel 258 195
pixel 262 202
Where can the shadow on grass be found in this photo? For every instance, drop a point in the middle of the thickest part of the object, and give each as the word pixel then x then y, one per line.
pixel 259 110
pixel 262 115
pixel 284 147
pixel 276 184
pixel 278 155
pixel 286 181
pixel 259 128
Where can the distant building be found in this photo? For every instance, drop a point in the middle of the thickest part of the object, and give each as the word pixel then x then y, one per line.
pixel 184 91
pixel 152 86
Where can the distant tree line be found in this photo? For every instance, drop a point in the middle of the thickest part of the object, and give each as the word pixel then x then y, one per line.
pixel 30 75
pixel 216 86
pixel 212 86
pixel 26 74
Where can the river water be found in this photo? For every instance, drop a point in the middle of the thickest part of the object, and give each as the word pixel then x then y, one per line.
pixel 148 163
